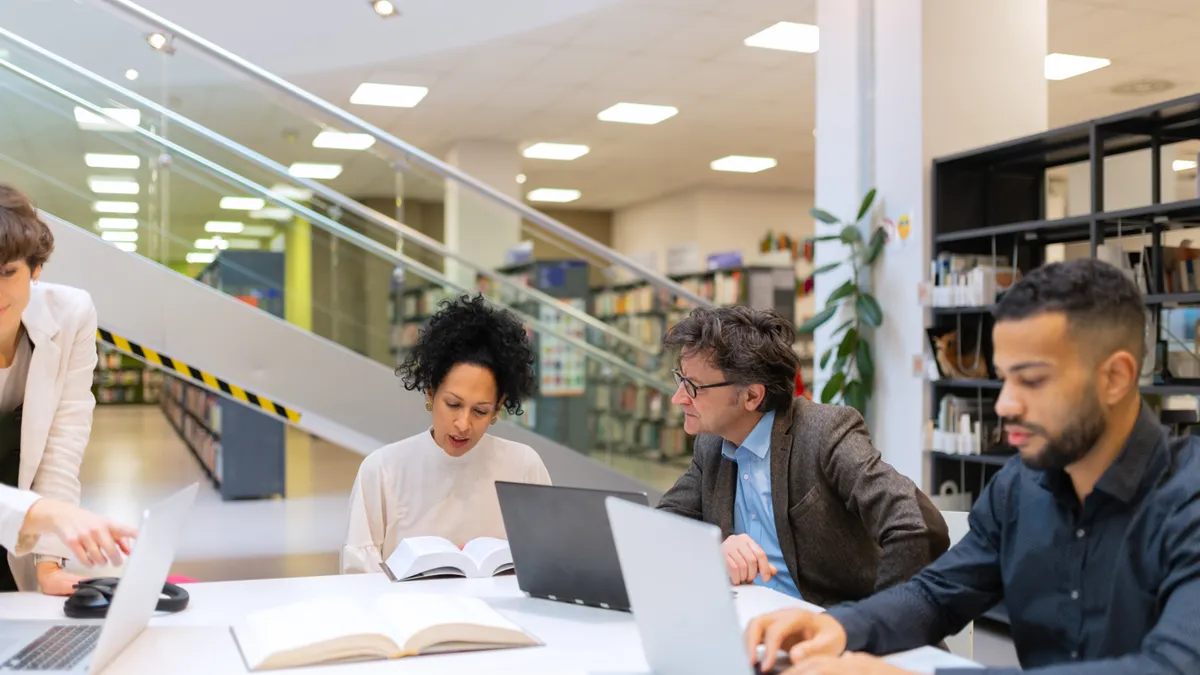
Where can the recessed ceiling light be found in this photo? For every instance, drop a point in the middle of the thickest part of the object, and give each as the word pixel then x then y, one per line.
pixel 787 36
pixel 1183 164
pixel 637 113
pixel 560 151
pixel 101 161
pixel 338 140
pixel 213 243
pixel 388 95
pixel 224 227
pixel 244 244
pixel 291 192
pixel 272 213
pixel 132 74
pixel 115 207
pixel 117 223
pixel 260 230
pixel 202 258
pixel 317 171
pixel 117 119
pixel 127 246
pixel 119 236
pixel 557 195
pixel 521 179
pixel 743 164
pixel 1063 66
pixel 160 42
pixel 384 8
pixel 242 203
pixel 113 186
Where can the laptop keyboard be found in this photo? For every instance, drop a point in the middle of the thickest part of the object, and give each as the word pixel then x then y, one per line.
pixel 60 648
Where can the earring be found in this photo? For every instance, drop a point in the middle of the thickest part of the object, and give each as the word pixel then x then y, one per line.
pixel 494 418
pixel 429 406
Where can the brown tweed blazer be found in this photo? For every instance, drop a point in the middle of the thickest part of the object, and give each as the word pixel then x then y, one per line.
pixel 849 525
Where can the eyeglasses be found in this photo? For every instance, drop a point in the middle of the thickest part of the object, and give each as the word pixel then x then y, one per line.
pixel 691 387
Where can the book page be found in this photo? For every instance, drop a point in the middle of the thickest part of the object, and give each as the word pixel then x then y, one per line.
pixel 489 554
pixel 418 554
pixel 408 614
pixel 303 624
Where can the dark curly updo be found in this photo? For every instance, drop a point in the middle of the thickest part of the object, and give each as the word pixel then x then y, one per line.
pixel 469 330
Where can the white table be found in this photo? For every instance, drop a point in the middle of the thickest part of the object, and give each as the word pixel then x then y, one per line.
pixel 577 639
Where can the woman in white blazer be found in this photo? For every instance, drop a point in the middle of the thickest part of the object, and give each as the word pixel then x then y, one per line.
pixel 47 359
pixel 25 516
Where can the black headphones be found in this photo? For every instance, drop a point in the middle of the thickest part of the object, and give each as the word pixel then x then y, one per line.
pixel 92 598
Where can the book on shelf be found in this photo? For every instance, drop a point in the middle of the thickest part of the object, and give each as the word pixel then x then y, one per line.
pixel 423 557
pixel 333 629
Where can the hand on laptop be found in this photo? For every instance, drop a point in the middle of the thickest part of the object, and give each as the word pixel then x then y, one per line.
pixel 746 560
pixel 94 539
pixel 803 634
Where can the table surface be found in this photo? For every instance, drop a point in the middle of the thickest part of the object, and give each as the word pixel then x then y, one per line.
pixel 577 639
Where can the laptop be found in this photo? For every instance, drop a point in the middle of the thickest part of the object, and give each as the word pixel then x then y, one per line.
pixel 50 647
pixel 680 592
pixel 562 547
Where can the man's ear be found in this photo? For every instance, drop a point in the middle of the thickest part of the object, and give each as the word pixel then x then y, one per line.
pixel 1119 375
pixel 755 393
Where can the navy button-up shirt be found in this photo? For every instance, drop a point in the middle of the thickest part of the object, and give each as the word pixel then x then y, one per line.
pixel 1111 586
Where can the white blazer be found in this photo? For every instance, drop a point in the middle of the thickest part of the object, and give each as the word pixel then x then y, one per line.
pixel 56 418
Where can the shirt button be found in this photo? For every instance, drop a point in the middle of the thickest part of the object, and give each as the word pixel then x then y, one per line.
pixel 745 476
pixel 1074 595
pixel 753 516
pixel 1079 533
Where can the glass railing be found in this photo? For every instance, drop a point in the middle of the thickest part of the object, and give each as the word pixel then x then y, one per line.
pixel 150 188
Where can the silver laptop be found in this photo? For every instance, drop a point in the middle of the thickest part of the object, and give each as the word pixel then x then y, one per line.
pixel 79 647
pixel 680 592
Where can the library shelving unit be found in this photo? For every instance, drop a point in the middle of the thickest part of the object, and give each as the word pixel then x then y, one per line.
pixel 120 379
pixel 413 302
pixel 990 203
pixel 241 449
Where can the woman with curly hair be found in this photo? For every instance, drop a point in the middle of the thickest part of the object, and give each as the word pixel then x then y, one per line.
pixel 470 361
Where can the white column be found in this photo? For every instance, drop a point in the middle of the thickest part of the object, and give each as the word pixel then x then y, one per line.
pixel 944 76
pixel 477 228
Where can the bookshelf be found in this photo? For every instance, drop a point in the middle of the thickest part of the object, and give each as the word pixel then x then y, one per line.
pixel 120 379
pixel 989 224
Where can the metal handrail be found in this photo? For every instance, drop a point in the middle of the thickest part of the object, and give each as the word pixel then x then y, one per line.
pixel 341 231
pixel 347 203
pixel 410 152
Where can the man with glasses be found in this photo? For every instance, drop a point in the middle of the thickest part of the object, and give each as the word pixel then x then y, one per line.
pixel 805 503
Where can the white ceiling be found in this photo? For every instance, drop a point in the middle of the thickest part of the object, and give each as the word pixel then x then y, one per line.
pixel 540 71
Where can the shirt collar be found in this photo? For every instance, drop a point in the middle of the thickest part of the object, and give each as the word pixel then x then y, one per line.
pixel 1123 479
pixel 758 442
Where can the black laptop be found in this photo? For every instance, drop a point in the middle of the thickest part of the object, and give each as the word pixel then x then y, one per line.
pixel 562 546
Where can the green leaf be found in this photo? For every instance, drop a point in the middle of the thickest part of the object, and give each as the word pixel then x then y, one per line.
pixel 816 320
pixel 855 396
pixel 833 387
pixel 840 364
pixel 876 246
pixel 868 310
pixel 842 327
pixel 825 237
pixel 825 357
pixel 866 205
pixel 866 364
pixel 827 267
pixel 849 343
pixel 844 291
pixel 823 216
pixel 851 234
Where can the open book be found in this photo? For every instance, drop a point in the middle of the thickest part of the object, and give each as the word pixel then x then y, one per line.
pixel 420 557
pixel 336 628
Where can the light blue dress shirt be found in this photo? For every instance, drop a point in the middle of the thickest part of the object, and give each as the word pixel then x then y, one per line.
pixel 753 508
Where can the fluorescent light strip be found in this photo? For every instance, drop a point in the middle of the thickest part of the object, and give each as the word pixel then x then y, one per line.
pixel 1183 164
pixel 559 151
pixel 556 195
pixel 315 171
pixel 388 95
pixel 271 213
pixel 743 164
pixel 291 192
pixel 243 244
pixel 1064 66
pixel 113 186
pixel 209 244
pixel 787 36
pixel 242 203
pixel 101 161
pixel 259 230
pixel 224 227
pixel 202 258
pixel 115 207
pixel 119 236
pixel 118 119
pixel 337 140
pixel 117 223
pixel 637 113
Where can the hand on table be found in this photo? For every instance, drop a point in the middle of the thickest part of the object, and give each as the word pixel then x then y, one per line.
pixel 95 540
pixel 746 560
pixel 802 633
pixel 54 580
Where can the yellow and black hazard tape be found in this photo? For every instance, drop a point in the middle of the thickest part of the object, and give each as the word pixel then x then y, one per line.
pixel 208 379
